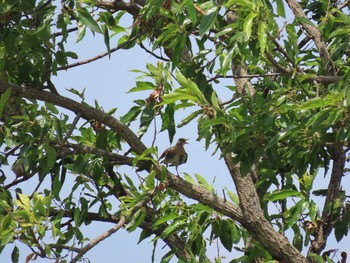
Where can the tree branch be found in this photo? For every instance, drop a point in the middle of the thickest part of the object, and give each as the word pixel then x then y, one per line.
pixel 328 219
pixel 254 220
pixel 120 159
pixel 122 45
pixel 191 191
pixel 315 34
pixel 89 113
pixel 253 217
pixel 118 5
pixel 318 79
pixel 99 239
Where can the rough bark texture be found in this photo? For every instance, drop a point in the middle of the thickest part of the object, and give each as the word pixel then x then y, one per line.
pixel 253 217
pixel 328 219
pixel 315 35
pixel 255 222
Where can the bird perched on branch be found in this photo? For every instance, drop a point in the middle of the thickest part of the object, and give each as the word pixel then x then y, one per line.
pixel 175 155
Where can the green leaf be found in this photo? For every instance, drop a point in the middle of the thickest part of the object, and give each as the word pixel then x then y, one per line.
pixel 168 121
pixel 149 180
pixel 190 88
pixel 282 194
pixel 262 36
pixel 203 182
pixel 176 225
pixel 23 201
pixel 317 258
pixel 165 218
pixel 146 155
pixel 137 219
pixel 280 8
pixel 189 118
pixel 192 13
pixel 142 86
pixel 15 255
pixel 298 241
pixel 51 157
pixel 294 214
pixel 339 32
pixel 213 122
pixel 167 257
pixel 278 137
pixel 87 20
pixel 208 21
pixel 225 31
pixel 146 118
pixel 81 33
pixel 3 100
pixel 76 216
pixel 79 164
pixel 56 186
pixel 232 196
pixel 102 139
pixel 225 234
pixel 81 94
pixel 188 178
pixel 248 24
pixel 251 5
pixel 226 62
pixel 174 97
pixel 71 54
pixel 106 39
pixel 304 20
pixel 144 234
pixel 163 174
pixel 312 104
pixel 131 115
pixel 58 128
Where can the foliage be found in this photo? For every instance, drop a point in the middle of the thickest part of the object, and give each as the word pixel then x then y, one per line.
pixel 282 120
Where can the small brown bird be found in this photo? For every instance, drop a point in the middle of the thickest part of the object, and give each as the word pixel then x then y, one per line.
pixel 175 155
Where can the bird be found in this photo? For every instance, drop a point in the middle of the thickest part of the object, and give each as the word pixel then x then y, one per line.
pixel 175 155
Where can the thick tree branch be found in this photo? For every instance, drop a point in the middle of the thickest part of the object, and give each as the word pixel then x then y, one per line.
pixel 78 148
pixel 243 85
pixel 328 219
pixel 99 239
pixel 205 197
pixel 87 112
pixel 253 217
pixel 119 5
pixel 254 220
pixel 315 34
pixel 191 191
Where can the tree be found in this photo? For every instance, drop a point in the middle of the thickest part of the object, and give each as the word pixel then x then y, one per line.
pixel 286 121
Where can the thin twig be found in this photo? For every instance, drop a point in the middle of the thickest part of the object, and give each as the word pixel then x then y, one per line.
pixel 10 153
pixel 152 53
pixel 100 55
pixel 100 238
pixel 234 97
pixel 74 124
pixel 70 30
pixel 122 221
pixel 62 246
pixel 250 76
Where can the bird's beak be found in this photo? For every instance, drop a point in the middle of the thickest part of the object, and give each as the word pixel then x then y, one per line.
pixel 186 141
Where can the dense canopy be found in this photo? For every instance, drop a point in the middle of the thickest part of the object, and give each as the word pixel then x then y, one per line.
pixel 267 85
